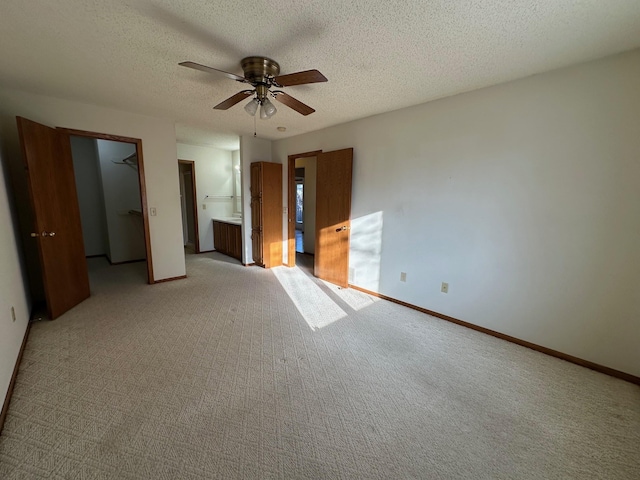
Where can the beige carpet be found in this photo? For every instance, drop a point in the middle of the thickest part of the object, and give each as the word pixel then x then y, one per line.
pixel 221 376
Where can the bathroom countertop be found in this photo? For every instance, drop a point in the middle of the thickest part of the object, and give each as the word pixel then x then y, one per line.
pixel 231 220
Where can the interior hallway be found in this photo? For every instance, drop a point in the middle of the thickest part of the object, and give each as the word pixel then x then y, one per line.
pixel 299 241
pixel 220 376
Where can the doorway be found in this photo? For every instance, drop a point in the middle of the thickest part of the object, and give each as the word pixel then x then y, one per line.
pixel 108 191
pixel 332 213
pixel 299 212
pixel 53 220
pixel 292 206
pixel 188 205
pixel 305 217
pixel 112 197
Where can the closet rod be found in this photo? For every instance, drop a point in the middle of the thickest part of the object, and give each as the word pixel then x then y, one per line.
pixel 128 157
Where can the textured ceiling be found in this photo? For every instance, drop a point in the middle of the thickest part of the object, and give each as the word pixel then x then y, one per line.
pixel 378 55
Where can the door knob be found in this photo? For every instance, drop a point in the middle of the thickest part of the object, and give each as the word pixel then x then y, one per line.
pixel 33 234
pixel 342 229
pixel 51 234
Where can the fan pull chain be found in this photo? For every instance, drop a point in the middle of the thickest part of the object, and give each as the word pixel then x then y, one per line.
pixel 254 127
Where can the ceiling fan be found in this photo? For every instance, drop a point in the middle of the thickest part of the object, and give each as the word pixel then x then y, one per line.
pixel 263 74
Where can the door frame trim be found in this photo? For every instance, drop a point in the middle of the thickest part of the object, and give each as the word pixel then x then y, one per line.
pixel 192 163
pixel 291 204
pixel 141 182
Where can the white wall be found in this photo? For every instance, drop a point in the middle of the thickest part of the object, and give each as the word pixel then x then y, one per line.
pixel 213 177
pixel 524 197
pixel 308 202
pixel 159 149
pixel 252 149
pixel 121 192
pixel 84 151
pixel 13 284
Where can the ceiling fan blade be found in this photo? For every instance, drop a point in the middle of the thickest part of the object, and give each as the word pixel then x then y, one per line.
pixel 300 78
pixel 204 68
pixel 291 102
pixel 231 101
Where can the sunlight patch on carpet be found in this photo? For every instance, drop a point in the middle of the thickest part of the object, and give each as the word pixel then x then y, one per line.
pixel 354 298
pixel 313 304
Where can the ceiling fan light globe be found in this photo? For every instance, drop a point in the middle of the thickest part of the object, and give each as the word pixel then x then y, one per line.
pixel 252 107
pixel 269 108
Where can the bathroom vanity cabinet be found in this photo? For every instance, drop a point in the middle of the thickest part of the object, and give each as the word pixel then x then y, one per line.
pixel 227 238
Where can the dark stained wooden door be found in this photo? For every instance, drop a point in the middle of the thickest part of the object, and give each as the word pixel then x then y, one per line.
pixel 58 231
pixel 333 216
pixel 256 213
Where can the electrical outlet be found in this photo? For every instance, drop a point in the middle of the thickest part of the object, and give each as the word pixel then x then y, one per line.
pixel 13 314
pixel 204 206
pixel 152 211
pixel 445 287
pixel 403 276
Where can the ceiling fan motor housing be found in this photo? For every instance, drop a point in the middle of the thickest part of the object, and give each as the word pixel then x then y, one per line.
pixel 259 69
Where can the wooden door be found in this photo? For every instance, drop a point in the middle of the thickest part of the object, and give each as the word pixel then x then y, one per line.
pixel 217 236
pixel 235 242
pixel 271 214
pixel 58 231
pixel 189 196
pixel 256 213
pixel 333 216
pixel 256 245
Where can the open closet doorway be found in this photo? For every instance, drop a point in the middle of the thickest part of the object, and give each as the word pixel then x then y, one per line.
pixel 59 279
pixel 109 173
pixel 189 206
